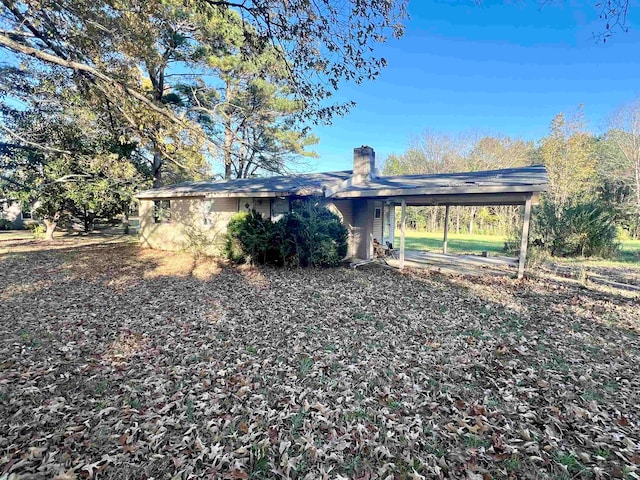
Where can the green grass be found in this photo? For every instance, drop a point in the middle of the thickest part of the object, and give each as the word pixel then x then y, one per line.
pixel 629 255
pixel 457 243
pixel 15 235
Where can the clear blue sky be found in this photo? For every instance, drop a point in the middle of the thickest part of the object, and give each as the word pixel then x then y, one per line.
pixel 499 67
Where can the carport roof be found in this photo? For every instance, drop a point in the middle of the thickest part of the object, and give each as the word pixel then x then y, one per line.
pixel 508 180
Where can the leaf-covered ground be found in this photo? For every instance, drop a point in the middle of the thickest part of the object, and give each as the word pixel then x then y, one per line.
pixel 117 362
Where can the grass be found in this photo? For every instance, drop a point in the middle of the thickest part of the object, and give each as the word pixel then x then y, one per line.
pixel 628 257
pixel 15 235
pixel 457 242
pixel 464 243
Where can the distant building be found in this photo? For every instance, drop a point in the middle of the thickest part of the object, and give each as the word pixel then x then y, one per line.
pixel 12 211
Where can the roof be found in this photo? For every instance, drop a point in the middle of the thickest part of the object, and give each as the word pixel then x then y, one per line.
pixel 343 185
pixel 522 179
pixel 301 184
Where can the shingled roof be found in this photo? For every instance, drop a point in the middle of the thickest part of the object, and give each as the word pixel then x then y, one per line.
pixel 301 184
pixel 343 185
pixel 522 179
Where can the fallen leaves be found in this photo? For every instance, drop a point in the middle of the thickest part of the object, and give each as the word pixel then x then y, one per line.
pixel 121 363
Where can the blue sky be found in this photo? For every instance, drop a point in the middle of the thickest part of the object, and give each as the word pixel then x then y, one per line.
pixel 494 68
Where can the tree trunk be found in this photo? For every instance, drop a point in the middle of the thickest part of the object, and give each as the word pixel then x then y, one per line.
pixel 51 226
pixel 157 169
pixel 457 219
pixel 125 219
pixel 472 212
pixel 228 144
pixel 87 220
pixel 228 134
pixel 228 139
pixel 90 218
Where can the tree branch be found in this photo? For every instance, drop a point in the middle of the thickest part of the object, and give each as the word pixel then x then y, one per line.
pixel 14 46
pixel 33 144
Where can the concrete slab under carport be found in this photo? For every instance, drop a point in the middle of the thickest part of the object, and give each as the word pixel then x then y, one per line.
pixel 523 198
pixel 457 264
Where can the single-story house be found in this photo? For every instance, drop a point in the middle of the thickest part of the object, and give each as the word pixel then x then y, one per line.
pixel 12 210
pixel 364 200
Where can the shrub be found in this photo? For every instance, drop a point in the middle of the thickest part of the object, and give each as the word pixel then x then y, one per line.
pixel 6 224
pixel 586 229
pixel 38 231
pixel 308 236
pixel 311 236
pixel 250 239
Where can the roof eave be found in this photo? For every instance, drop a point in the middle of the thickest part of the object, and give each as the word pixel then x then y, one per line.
pixel 151 194
pixel 427 191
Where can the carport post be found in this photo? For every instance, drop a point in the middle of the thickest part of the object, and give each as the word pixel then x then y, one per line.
pixel 403 224
pixel 525 237
pixel 446 229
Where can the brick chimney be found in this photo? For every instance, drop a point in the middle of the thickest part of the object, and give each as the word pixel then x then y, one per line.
pixel 364 164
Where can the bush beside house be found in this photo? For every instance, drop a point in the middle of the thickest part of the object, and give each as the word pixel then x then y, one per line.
pixel 308 236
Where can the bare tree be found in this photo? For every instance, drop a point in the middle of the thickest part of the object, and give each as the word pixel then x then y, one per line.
pixel 624 132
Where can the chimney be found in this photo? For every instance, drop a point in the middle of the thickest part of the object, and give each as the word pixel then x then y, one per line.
pixel 364 163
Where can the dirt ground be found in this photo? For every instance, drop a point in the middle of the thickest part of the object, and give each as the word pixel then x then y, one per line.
pixel 118 362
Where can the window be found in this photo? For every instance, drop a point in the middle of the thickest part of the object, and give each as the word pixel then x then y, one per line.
pixel 208 212
pixel 279 206
pixel 378 213
pixel 161 211
pixel 27 210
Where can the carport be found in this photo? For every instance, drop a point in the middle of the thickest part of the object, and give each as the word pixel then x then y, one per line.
pixel 513 186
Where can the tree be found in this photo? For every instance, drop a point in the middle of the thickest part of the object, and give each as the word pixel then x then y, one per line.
pixel 494 152
pixel 624 157
pixel 252 116
pixel 107 42
pixel 568 153
pixel 106 192
pixel 436 152
pixel 65 157
pixel 574 217
pixel 160 39
pixel 431 152
pixel 104 45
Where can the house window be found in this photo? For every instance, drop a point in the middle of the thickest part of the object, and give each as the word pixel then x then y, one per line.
pixel 208 212
pixel 279 206
pixel 378 213
pixel 162 211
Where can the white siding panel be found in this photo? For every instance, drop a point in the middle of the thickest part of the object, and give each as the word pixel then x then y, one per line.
pixel 228 204
pixel 391 233
pixel 377 222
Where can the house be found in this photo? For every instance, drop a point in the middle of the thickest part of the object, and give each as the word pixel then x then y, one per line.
pixel 365 201
pixel 12 211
